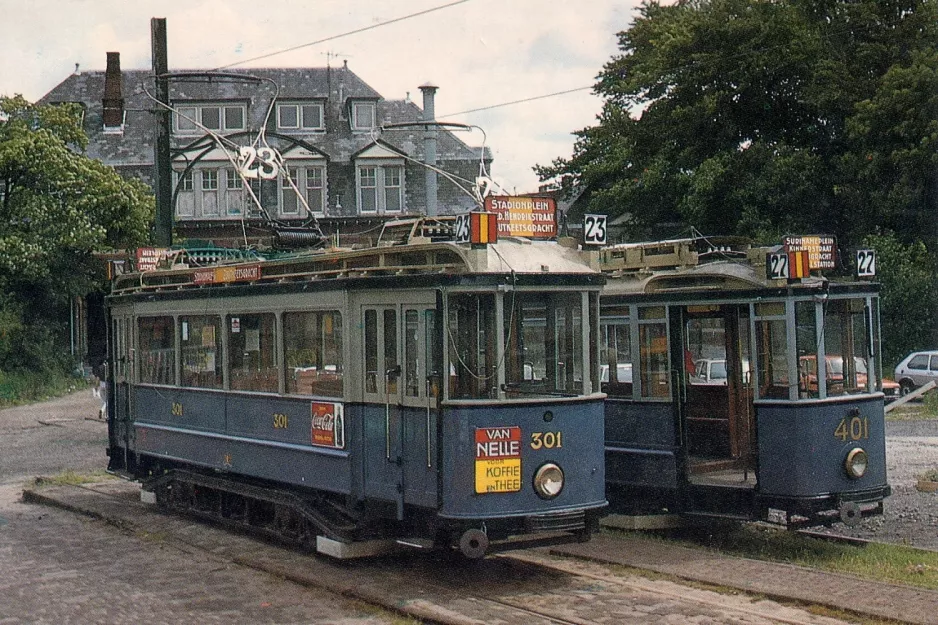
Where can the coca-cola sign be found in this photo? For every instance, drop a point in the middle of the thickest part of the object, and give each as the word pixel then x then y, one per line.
pixel 328 425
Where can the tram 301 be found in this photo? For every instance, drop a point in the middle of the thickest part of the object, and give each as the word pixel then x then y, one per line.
pixel 717 404
pixel 427 393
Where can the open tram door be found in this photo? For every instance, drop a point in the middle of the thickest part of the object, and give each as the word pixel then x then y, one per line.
pixel 715 402
pixel 401 357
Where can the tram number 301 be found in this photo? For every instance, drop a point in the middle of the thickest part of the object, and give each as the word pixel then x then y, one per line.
pixel 854 429
pixel 546 440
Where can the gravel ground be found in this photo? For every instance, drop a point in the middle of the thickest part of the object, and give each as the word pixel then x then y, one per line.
pixel 911 516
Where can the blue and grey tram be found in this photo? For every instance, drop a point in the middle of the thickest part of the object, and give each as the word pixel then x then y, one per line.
pixel 432 395
pixel 717 404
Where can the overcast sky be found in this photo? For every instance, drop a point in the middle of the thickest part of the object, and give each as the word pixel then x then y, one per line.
pixel 480 53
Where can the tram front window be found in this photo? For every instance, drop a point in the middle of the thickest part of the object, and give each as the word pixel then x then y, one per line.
pixel 544 344
pixel 472 347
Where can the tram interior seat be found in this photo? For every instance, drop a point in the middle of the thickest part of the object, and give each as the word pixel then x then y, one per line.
pixel 708 418
pixel 264 381
pixel 310 381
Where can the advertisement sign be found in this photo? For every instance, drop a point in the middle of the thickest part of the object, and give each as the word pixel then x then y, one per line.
pixel 498 460
pixel 821 248
pixel 328 425
pixel 148 258
pixel 530 217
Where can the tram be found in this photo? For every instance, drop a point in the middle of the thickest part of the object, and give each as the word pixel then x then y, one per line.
pixel 420 393
pixel 717 406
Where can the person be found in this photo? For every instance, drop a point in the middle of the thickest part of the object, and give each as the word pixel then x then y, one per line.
pixel 101 393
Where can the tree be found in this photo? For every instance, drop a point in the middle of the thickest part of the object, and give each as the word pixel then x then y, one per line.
pixel 748 117
pixel 57 207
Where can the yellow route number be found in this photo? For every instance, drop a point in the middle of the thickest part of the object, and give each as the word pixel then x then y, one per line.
pixel 854 429
pixel 546 440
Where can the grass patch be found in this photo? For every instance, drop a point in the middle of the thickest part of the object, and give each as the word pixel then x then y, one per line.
pixel 73 478
pixel 885 563
pixel 19 388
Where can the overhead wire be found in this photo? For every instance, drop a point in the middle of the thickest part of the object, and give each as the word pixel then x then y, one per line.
pixel 345 34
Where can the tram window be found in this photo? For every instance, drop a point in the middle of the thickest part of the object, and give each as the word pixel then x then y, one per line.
pixel 252 354
pixel 157 349
pixel 772 358
pixel 390 351
pixel 806 340
pixel 371 351
pixel 201 351
pixel 544 347
pixel 615 369
pixel 472 354
pixel 845 342
pixel 312 350
pixel 411 358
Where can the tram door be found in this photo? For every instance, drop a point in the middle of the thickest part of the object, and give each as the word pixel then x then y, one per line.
pixel 118 393
pixel 717 411
pixel 401 378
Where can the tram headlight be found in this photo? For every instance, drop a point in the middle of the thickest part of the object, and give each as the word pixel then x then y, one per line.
pixel 856 463
pixel 548 481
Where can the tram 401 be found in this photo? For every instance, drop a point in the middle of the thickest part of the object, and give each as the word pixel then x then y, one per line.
pixel 426 393
pixel 739 389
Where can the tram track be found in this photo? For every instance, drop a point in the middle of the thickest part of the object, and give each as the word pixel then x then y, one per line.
pixel 530 586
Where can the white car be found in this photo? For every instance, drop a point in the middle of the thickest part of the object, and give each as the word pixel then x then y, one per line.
pixel 623 373
pixel 917 369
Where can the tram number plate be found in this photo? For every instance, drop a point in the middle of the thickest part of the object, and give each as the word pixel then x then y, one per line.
pixel 853 429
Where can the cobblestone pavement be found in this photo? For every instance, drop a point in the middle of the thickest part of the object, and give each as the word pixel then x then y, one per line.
pixel 58 567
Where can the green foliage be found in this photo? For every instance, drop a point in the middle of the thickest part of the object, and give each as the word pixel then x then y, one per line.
pixel 758 118
pixel 57 207
pixel 907 273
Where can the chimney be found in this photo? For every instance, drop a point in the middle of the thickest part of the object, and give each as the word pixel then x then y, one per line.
pixel 113 98
pixel 429 146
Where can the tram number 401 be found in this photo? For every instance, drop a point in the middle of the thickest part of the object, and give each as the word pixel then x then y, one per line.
pixel 853 429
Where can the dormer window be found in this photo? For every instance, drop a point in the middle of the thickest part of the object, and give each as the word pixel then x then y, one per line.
pixel 363 115
pixel 300 116
pixel 216 117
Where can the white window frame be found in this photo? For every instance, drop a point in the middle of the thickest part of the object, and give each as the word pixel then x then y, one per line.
pixel 182 125
pixel 185 198
pixel 207 175
pixel 302 123
pixel 357 108
pixel 300 174
pixel 235 195
pixel 381 187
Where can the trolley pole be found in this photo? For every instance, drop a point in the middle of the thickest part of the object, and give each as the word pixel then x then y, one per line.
pixel 162 165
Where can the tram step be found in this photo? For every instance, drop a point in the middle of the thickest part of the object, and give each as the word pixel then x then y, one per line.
pixel 360 549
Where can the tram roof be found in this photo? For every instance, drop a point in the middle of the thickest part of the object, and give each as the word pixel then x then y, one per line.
pixel 507 256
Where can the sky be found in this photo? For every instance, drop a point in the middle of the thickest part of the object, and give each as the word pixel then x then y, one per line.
pixel 480 53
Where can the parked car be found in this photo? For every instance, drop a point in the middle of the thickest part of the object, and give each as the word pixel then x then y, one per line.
pixel 623 373
pixel 917 369
pixel 709 371
pixel 835 375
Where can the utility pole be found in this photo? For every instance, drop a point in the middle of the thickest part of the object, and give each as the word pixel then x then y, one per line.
pixel 162 165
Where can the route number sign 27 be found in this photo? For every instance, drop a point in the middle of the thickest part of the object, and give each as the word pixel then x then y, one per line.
pixel 594 229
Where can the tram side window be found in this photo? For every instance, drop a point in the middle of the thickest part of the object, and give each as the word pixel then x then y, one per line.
pixel 200 337
pixel 615 369
pixel 472 353
pixel 653 352
pixel 252 354
pixel 806 339
pixel 313 352
pixel 771 350
pixel 845 343
pixel 157 349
